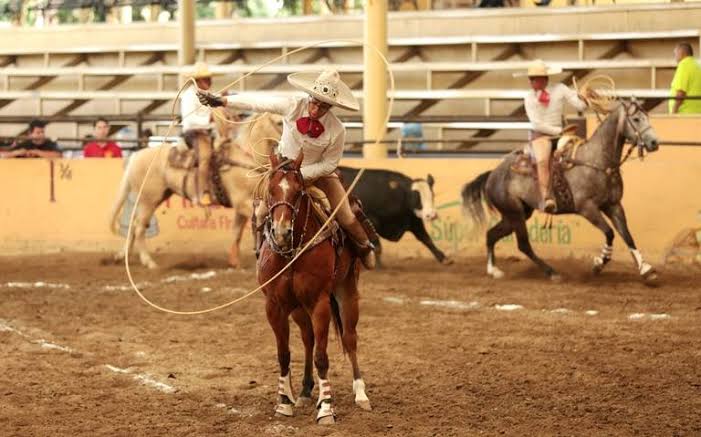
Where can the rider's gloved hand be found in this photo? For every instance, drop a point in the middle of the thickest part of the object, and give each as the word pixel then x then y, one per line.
pixel 210 99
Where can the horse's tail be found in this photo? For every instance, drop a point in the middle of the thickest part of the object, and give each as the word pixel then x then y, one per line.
pixel 337 322
pixel 119 202
pixel 474 198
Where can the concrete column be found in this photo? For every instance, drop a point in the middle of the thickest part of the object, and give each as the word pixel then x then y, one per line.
pixel 375 79
pixel 186 19
pixel 425 5
pixel 307 7
pixel 223 10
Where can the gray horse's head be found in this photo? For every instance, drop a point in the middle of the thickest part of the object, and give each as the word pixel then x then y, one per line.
pixel 637 128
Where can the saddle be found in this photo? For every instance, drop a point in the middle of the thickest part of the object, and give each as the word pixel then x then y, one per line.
pixel 184 158
pixel 322 211
pixel 565 148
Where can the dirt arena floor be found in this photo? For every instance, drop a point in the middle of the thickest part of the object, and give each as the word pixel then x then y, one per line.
pixel 445 352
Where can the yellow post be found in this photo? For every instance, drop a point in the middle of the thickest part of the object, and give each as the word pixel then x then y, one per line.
pixel 307 7
pixel 375 79
pixel 186 18
pixel 223 10
pixel 425 5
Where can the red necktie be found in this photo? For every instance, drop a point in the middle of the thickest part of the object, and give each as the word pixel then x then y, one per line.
pixel 310 126
pixel 544 97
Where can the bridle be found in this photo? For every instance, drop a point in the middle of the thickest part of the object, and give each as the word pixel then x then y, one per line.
pixel 294 207
pixel 630 109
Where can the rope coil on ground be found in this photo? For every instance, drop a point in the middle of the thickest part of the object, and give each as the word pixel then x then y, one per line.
pixel 321 229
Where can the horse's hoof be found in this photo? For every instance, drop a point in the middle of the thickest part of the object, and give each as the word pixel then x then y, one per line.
pixel 364 405
pixel 447 261
pixel 303 402
pixel 555 277
pixel 496 273
pixel 284 410
pixel 327 420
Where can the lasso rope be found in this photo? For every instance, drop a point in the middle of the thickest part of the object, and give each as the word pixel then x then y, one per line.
pixel 321 229
pixel 600 92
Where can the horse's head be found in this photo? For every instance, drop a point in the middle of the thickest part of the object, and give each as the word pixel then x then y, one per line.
pixel 424 206
pixel 637 129
pixel 285 192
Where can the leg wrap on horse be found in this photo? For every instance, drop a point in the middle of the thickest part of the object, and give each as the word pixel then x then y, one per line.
pixel 325 402
pixel 284 389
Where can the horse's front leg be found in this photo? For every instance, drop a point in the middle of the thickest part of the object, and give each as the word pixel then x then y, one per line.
pixel 321 316
pixel 618 217
pixel 593 214
pixel 278 319
pixel 307 332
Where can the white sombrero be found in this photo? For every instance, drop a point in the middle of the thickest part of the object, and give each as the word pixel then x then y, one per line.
pixel 326 86
pixel 539 68
pixel 200 71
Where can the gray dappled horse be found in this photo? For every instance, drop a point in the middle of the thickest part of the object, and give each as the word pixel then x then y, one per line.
pixel 595 182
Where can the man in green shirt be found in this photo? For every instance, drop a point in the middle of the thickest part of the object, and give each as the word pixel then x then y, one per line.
pixel 686 82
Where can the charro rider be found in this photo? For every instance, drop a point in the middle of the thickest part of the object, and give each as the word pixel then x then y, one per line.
pixel 197 129
pixel 545 105
pixel 309 125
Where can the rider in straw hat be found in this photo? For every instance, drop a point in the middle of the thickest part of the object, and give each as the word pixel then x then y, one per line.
pixel 309 125
pixel 545 106
pixel 197 129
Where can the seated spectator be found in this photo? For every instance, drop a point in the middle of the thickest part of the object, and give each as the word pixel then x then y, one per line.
pixel 686 82
pixel 37 146
pixel 100 147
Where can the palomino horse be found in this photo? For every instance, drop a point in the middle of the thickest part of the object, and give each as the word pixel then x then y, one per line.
pixel 322 284
pixel 595 182
pixel 165 180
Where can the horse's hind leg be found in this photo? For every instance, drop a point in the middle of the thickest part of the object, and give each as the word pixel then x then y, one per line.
pixel 141 222
pixel 496 233
pixel 305 326
pixel 321 316
pixel 347 299
pixel 594 216
pixel 240 221
pixel 618 217
pixel 278 319
pixel 524 245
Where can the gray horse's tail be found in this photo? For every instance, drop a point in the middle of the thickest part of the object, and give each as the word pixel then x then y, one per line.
pixel 474 198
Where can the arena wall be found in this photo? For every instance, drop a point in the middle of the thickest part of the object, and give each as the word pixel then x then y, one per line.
pixel 65 205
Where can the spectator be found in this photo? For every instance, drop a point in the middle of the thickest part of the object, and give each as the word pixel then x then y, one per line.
pixel 101 147
pixel 37 146
pixel 686 82
pixel 413 131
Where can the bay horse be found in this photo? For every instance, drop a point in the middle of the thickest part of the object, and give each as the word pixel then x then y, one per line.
pixel 595 182
pixel 254 140
pixel 319 287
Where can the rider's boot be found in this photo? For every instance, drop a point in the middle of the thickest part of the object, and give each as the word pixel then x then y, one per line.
pixel 547 204
pixel 364 248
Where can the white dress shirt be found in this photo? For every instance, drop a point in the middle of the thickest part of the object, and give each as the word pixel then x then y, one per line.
pixel 195 115
pixel 547 119
pixel 321 154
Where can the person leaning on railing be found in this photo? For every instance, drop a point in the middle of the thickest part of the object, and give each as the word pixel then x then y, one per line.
pixel 101 146
pixel 686 82
pixel 36 146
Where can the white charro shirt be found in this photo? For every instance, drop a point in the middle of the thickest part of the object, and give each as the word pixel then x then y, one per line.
pixel 321 154
pixel 195 115
pixel 547 119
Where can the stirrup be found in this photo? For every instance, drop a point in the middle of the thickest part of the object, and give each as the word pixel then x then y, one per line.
pixel 205 199
pixel 549 206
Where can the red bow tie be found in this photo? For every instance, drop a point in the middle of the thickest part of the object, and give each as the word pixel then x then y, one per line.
pixel 310 126
pixel 544 97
